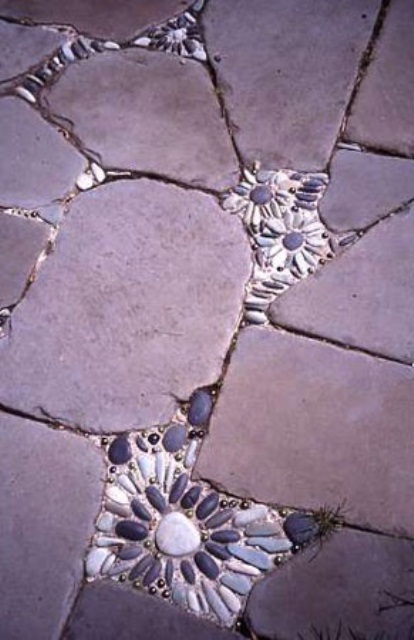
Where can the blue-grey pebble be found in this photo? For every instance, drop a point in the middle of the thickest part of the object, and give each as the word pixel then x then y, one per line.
pixel 262 529
pixel 207 506
pixel 225 536
pixel 237 583
pixel 191 497
pixel 178 488
pixel 201 405
pixel 217 550
pixel 131 530
pixel 140 510
pixel 254 557
pixel 300 527
pixel 188 571
pixel 152 574
pixel 119 451
pixel 141 444
pixel 219 518
pixel 174 438
pixel 156 499
pixel 169 572
pixel 271 545
pixel 207 565
pixel 129 553
pixel 140 567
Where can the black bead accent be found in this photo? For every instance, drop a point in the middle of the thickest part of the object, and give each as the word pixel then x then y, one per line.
pixel 153 438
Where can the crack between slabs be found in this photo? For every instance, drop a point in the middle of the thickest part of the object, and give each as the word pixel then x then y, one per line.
pixel 57 424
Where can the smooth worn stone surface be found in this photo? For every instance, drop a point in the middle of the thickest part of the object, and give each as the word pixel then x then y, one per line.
pixel 21 242
pixel 271 545
pixel 131 530
pixel 237 583
pixel 207 506
pixel 365 298
pixel 178 488
pixel 140 510
pixel 344 419
pixel 278 70
pixel 108 19
pixel 156 499
pixel 179 131
pixel 207 565
pixel 253 514
pixel 37 165
pixel 51 494
pixel 201 405
pixel 174 438
pixel 176 535
pixel 251 556
pixel 120 450
pixel 22 47
pixel 342 586
pixel 136 318
pixel 191 497
pixel 107 611
pixel 300 527
pixel 382 114
pixel 364 187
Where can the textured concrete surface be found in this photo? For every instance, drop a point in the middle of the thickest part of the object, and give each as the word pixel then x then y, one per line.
pixel 145 286
pixel 306 424
pixel 22 47
pixel 382 116
pixel 39 165
pixel 99 18
pixel 278 70
pixel 51 493
pixel 21 242
pixel 364 298
pixel 342 585
pixel 365 187
pixel 149 112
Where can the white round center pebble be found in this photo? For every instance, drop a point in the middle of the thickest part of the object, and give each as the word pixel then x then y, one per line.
pixel 176 535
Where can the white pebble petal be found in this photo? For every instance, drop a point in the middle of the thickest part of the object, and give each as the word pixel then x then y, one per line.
pixel 126 483
pixel 242 518
pixel 142 42
pixel 95 560
pixel 98 172
pixel 24 93
pixel 117 495
pixel 85 181
pixel 190 456
pixel 230 599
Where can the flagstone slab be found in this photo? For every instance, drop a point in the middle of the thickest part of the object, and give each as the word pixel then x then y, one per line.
pixel 340 587
pixel 147 111
pixel 382 115
pixel 22 47
pixel 21 242
pixel 365 298
pixel 136 308
pixel 51 494
pixel 306 424
pixel 108 611
pixel 37 165
pixel 99 18
pixel 278 70
pixel 364 187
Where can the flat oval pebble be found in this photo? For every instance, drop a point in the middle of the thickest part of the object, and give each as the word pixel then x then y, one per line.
pixel 206 565
pixel 191 455
pixel 85 181
pixel 117 495
pixel 192 600
pixel 178 488
pixel 108 541
pixel 156 499
pixel 141 444
pixel 230 599
pixel 242 518
pixel 262 529
pixel 105 522
pixel 126 483
pixel 174 438
pixel 188 571
pixel 217 550
pixel 271 545
pixel 237 583
pixel 131 530
pixel 191 497
pixel 108 564
pixel 120 451
pixel 176 535
pixel 179 594
pixel 203 602
pixel 219 518
pixel 225 536
pixel 251 556
pixel 293 241
pixel 169 572
pixel 217 604
pixel 169 479
pixel 120 567
pixel 262 194
pixel 121 510
pixel 300 527
pixel 146 466
pixel 95 560
pixel 246 569
pixel 152 574
pixel 129 553
pixel 141 566
pixel 255 317
pixel 160 467
pixel 140 510
pixel 207 506
pixel 201 405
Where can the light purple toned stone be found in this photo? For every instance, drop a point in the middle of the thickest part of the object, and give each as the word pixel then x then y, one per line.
pixel 188 571
pixel 152 573
pixel 178 488
pixel 216 603
pixel 237 583
pixel 141 566
pixel 201 405
pixel 174 438
pixel 128 553
pixel 126 337
pixel 263 529
pixel 156 499
pixel 250 556
pixel 219 519
pixel 207 505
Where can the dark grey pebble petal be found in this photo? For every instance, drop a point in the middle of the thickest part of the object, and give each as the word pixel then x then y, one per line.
pixel 131 530
pixel 188 571
pixel 97 46
pixel 178 488
pixel 300 528
pixel 119 451
pixel 219 518
pixel 31 86
pixel 141 566
pixel 169 572
pixel 79 50
pixel 174 438
pixel 191 497
pixel 306 188
pixel 262 194
pixel 307 205
pixel 240 190
pixel 152 574
pixel 306 197
pixel 225 536
pixel 201 405
pixel 128 553
pixel 217 550
pixel 207 565
pixel 140 510
pixel 156 499
pixel 181 22
pixel 207 506
pixel 141 444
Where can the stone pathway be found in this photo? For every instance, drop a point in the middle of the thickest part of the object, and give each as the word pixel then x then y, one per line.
pixel 206 320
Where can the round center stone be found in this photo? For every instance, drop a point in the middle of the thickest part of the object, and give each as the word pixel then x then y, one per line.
pixel 293 241
pixel 261 194
pixel 176 535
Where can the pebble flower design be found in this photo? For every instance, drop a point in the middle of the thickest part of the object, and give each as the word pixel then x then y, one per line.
pixel 180 539
pixel 289 241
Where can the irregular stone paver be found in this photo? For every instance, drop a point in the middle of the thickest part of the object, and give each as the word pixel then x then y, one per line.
pixel 342 587
pixel 365 298
pixel 307 424
pixel 382 115
pixel 364 187
pixel 99 18
pixel 136 307
pixel 21 242
pixel 22 47
pixel 278 70
pixel 37 165
pixel 149 112
pixel 51 493
pixel 108 611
